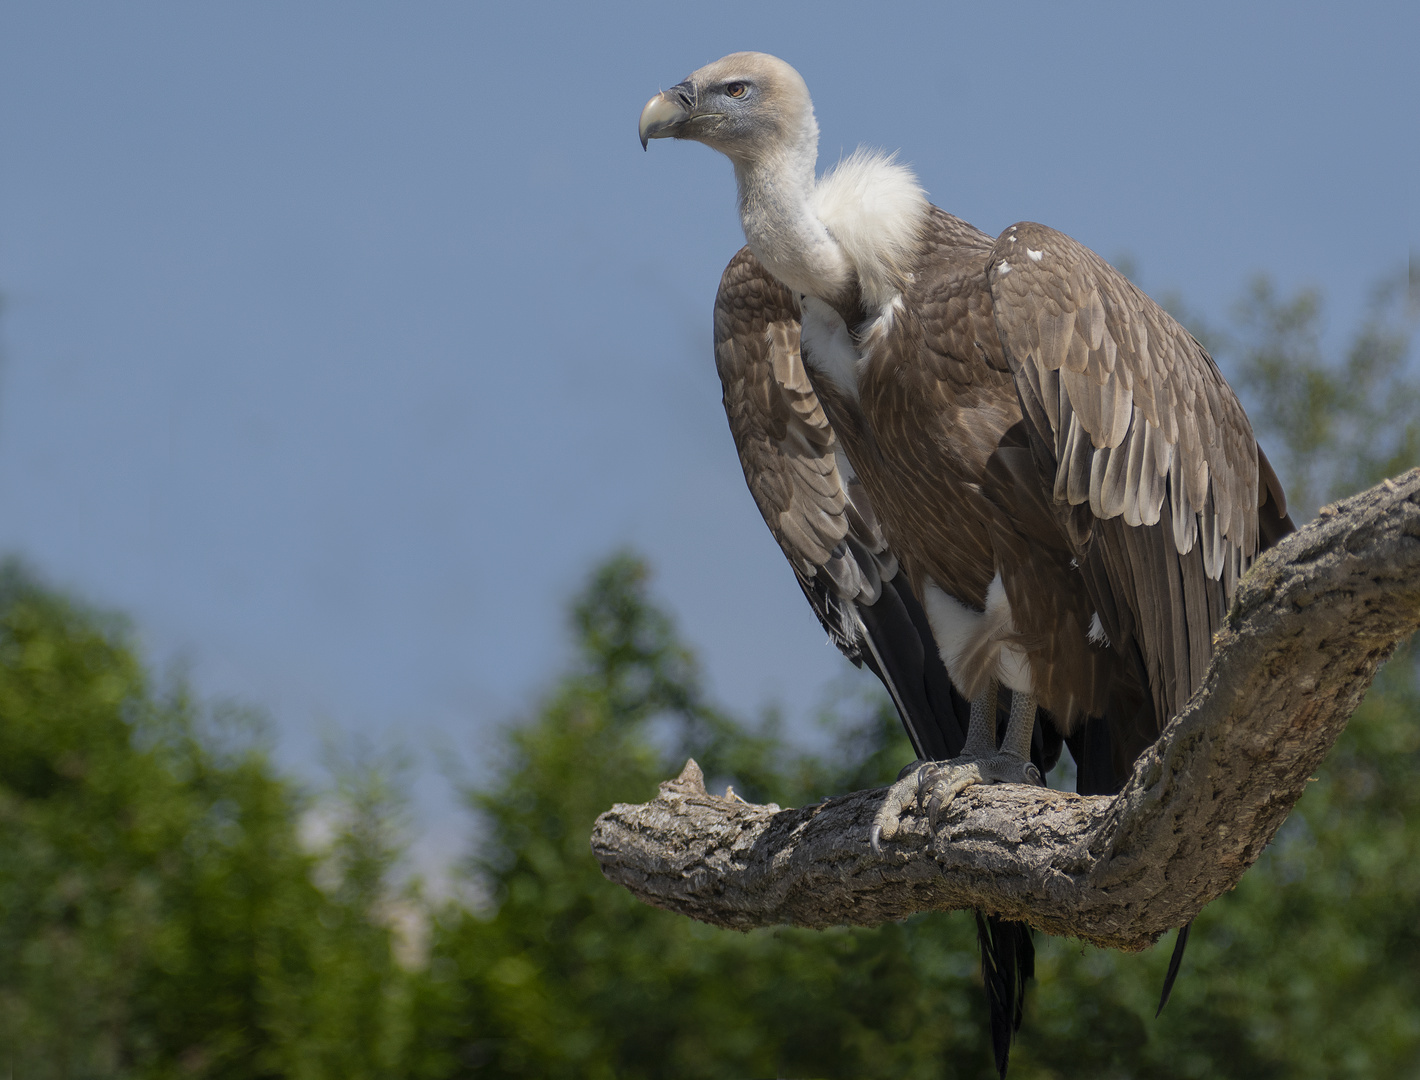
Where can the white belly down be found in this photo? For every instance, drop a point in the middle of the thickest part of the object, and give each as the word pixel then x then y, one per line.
pixel 977 645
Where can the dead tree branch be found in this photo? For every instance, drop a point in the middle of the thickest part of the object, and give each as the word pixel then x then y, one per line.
pixel 1313 621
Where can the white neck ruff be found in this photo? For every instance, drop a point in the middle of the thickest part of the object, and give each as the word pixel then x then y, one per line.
pixel 863 219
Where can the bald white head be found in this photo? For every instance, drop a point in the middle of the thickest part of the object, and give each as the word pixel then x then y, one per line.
pixel 755 109
pixel 856 226
pixel 752 107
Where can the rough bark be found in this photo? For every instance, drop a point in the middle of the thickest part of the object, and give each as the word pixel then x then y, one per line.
pixel 1312 622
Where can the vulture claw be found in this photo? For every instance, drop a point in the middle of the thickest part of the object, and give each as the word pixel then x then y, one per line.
pixel 885 823
pixel 934 806
pixel 921 776
pixel 931 786
pixel 912 768
pixel 941 782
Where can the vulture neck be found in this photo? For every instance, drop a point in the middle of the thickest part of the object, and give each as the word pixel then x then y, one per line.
pixel 849 238
pixel 784 230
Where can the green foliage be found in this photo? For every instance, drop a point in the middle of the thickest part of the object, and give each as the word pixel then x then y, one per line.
pixel 1332 427
pixel 566 975
pixel 569 976
pixel 158 915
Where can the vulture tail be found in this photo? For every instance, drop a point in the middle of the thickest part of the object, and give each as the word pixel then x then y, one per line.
pixel 902 652
pixel 1007 961
pixel 1179 944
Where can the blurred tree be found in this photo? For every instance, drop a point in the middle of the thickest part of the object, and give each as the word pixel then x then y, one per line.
pixel 158 914
pixel 568 976
pixel 1340 427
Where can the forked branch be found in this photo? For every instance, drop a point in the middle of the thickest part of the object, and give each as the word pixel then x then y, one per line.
pixel 1313 621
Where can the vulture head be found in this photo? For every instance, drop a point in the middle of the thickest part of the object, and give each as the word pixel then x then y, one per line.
pixel 841 238
pixel 749 106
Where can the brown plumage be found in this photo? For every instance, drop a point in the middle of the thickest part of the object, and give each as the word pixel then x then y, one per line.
pixel 989 462
pixel 821 515
pixel 1050 423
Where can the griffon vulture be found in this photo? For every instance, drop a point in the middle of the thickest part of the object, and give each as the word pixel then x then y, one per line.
pixel 993 464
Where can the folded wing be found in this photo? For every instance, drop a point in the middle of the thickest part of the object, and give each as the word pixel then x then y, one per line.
pixel 1155 469
pixel 819 513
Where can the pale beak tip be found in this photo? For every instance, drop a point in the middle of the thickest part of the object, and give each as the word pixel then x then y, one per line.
pixel 659 119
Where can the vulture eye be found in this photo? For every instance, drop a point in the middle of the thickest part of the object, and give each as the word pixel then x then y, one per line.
pixel 737 89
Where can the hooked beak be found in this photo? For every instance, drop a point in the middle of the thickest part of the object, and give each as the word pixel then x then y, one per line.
pixel 664 113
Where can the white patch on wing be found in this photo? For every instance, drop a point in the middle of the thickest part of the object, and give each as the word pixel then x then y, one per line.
pixel 1003 268
pixel 875 208
pixel 827 346
pixel 1097 636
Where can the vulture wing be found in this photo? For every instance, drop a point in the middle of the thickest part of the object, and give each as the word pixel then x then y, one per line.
pixel 1156 472
pixel 818 511
pixel 821 516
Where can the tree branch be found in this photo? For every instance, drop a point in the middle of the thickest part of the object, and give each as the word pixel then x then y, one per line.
pixel 1312 622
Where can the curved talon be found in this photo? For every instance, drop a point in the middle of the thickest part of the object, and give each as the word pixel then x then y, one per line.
pixel 908 769
pixel 886 821
pixel 923 777
pixel 934 806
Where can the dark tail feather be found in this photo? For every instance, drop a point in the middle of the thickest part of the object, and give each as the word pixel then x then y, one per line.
pixel 1179 944
pixel 900 651
pixel 1007 961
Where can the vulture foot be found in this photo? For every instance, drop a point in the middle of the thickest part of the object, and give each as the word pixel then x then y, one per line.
pixel 934 784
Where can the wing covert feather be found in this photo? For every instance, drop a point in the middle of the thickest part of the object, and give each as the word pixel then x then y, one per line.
pixel 814 507
pixel 1138 411
pixel 1138 425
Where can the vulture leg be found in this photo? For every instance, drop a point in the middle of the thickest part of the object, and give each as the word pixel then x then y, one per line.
pixel 981 735
pixel 980 761
pixel 1016 744
pixel 934 784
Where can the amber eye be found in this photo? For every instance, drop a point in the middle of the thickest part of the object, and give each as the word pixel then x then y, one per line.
pixel 737 89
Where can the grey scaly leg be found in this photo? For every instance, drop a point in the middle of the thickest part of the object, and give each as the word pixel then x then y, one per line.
pixel 935 784
pixel 981 732
pixel 1019 729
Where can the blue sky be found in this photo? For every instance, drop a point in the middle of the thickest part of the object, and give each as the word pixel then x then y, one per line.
pixel 340 340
